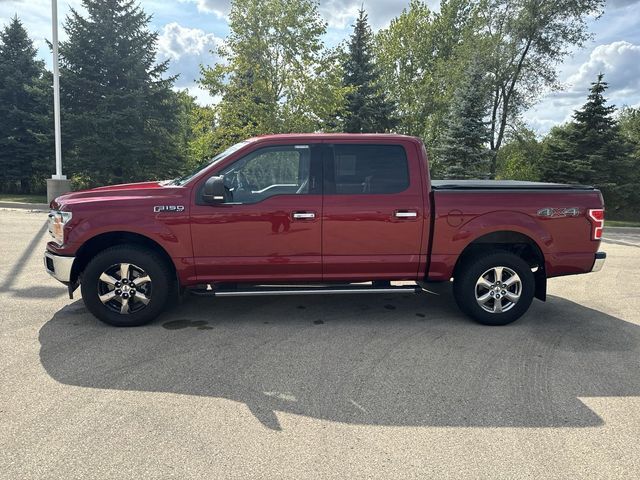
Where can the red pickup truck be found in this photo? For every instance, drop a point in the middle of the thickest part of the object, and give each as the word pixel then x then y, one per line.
pixel 316 214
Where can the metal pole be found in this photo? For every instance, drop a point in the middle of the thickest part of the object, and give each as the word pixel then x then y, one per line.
pixel 56 91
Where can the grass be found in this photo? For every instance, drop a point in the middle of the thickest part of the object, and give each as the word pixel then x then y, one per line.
pixel 620 223
pixel 8 197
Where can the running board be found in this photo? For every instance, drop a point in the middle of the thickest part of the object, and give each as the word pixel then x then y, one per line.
pixel 329 290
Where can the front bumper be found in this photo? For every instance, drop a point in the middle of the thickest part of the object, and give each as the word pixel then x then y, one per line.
pixel 599 261
pixel 58 267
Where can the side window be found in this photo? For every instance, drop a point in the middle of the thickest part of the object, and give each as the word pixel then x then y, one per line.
pixel 267 172
pixel 367 169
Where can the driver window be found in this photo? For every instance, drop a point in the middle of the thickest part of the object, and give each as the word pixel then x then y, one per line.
pixel 267 172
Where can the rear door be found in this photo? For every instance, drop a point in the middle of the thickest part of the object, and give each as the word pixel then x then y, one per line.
pixel 373 212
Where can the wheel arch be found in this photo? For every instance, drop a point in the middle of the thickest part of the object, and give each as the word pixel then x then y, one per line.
pixel 511 241
pixel 102 241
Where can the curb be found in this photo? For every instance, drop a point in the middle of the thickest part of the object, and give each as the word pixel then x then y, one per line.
pixel 635 230
pixel 36 207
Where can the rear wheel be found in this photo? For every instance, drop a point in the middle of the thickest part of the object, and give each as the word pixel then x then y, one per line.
pixel 495 289
pixel 126 286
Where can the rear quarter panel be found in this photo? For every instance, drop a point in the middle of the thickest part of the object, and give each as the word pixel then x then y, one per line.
pixel 462 217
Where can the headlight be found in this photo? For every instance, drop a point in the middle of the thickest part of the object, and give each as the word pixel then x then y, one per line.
pixel 57 221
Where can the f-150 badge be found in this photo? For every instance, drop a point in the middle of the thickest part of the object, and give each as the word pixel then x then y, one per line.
pixel 168 208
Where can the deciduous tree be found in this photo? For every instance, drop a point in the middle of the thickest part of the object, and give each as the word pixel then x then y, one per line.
pixel 421 56
pixel 276 75
pixel 521 43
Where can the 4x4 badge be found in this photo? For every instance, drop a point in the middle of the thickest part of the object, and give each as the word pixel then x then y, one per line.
pixel 559 212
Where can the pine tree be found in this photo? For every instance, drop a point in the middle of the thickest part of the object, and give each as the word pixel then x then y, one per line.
pixel 463 150
pixel 598 140
pixel 561 161
pixel 591 150
pixel 120 116
pixel 368 108
pixel 24 121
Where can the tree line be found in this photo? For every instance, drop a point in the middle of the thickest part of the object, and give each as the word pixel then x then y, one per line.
pixel 459 78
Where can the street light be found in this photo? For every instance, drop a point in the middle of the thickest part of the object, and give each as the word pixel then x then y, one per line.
pixel 58 183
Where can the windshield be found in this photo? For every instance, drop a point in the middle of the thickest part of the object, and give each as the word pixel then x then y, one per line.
pixel 221 156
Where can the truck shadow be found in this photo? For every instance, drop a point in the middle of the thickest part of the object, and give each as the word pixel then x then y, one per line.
pixel 401 360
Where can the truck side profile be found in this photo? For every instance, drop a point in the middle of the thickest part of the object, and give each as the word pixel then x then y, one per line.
pixel 318 214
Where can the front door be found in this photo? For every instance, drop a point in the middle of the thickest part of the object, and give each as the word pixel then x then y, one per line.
pixel 269 227
pixel 373 213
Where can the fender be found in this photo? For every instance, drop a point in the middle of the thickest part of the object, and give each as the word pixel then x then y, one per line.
pixel 451 241
pixel 501 221
pixel 171 231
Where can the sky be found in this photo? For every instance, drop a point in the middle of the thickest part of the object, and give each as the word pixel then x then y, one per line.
pixel 189 29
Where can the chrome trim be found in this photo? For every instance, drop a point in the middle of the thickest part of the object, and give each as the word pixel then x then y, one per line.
pixel 599 261
pixel 299 291
pixel 61 266
pixel 406 214
pixel 304 215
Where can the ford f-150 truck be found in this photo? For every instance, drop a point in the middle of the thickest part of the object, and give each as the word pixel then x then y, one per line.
pixel 321 213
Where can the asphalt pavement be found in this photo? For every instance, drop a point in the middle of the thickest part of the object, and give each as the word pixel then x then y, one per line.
pixel 391 386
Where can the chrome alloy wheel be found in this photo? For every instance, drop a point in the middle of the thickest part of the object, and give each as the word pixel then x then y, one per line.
pixel 498 289
pixel 124 288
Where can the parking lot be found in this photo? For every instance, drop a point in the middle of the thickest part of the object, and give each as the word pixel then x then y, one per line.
pixel 319 387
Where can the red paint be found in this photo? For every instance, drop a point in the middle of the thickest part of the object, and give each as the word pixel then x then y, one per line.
pixel 351 238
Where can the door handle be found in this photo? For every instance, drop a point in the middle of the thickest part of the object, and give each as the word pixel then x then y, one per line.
pixel 406 214
pixel 304 215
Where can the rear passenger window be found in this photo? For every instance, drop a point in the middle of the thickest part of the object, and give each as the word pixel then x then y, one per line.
pixel 370 169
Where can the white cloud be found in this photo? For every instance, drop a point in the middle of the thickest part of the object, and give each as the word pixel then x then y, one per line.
pixel 176 41
pixel 341 13
pixel 186 49
pixel 618 61
pixel 220 8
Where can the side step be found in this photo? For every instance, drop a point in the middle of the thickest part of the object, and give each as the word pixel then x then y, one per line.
pixel 259 290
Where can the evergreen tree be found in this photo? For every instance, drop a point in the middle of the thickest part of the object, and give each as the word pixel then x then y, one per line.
pixel 561 162
pixel 592 150
pixel 597 138
pixel 25 139
pixel 463 148
pixel 368 108
pixel 120 116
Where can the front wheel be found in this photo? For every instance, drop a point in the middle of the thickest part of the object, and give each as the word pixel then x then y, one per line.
pixel 495 289
pixel 126 286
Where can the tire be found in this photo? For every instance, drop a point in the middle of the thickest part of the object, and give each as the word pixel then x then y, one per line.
pixel 476 293
pixel 149 282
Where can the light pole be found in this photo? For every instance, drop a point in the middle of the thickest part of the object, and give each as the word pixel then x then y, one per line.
pixel 58 183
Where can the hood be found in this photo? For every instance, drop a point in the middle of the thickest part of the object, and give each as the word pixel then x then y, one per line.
pixel 114 192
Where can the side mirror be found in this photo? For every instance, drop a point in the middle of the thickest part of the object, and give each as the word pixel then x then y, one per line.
pixel 214 191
